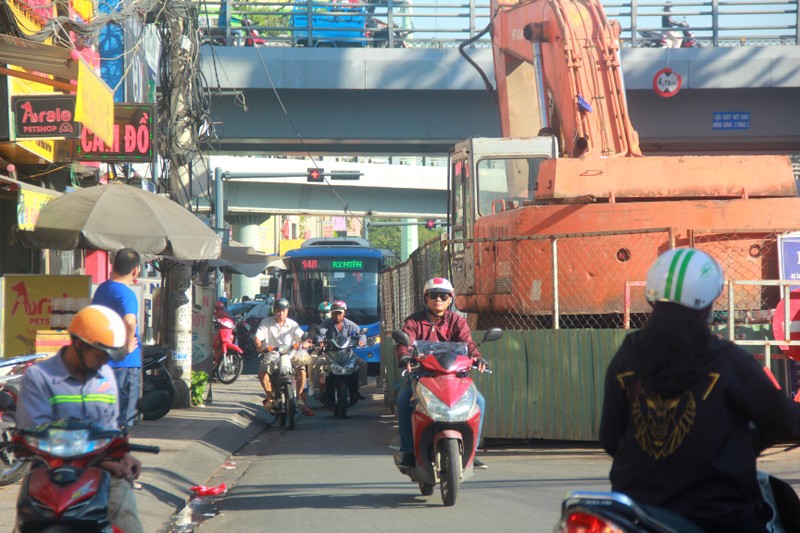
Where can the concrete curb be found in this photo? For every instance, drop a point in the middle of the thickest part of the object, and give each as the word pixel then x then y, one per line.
pixel 167 477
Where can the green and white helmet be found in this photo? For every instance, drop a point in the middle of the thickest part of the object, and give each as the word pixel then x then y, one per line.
pixel 685 276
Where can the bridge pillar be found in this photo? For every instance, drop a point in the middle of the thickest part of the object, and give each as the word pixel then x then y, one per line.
pixel 246 231
pixel 409 238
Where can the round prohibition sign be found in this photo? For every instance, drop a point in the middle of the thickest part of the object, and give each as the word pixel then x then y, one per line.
pixel 667 83
pixel 794 324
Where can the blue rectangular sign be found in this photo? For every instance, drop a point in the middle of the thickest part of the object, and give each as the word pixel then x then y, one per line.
pixel 789 256
pixel 731 120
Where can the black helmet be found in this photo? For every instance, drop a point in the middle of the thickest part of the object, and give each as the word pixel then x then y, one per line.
pixel 280 304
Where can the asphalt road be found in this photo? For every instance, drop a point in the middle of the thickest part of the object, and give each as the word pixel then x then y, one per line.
pixel 338 475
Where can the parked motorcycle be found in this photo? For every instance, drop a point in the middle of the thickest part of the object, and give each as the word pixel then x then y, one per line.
pixel 446 417
pixel 12 468
pixel 227 355
pixel 338 374
pixel 68 491
pixel 158 390
pixel 284 390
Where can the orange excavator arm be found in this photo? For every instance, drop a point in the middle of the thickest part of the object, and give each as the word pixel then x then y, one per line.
pixel 558 72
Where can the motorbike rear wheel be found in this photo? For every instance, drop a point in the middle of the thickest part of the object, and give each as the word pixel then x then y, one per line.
pixel 426 489
pixel 229 368
pixel 163 407
pixel 451 470
pixel 341 399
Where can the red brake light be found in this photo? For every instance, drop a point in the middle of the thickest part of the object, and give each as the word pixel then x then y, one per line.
pixel 580 522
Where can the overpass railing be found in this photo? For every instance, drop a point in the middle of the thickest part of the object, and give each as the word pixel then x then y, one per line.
pixel 446 23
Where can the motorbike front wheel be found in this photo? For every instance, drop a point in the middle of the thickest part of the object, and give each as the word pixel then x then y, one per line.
pixel 291 408
pixel 229 368
pixel 13 468
pixel 451 470
pixel 341 399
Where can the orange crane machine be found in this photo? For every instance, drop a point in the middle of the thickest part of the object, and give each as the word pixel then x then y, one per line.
pixel 569 163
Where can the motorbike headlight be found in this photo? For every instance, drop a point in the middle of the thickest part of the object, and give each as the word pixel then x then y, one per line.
pixel 66 443
pixel 439 411
pixel 337 369
pixel 372 341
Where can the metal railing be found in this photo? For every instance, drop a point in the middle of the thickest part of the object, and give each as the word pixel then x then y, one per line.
pixel 431 23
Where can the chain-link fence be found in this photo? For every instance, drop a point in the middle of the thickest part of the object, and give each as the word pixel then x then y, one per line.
pixel 586 280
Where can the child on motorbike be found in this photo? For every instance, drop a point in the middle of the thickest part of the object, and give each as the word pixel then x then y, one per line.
pixel 435 323
pixel 679 403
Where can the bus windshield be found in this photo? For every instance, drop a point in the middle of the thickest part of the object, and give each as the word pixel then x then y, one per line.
pixel 312 280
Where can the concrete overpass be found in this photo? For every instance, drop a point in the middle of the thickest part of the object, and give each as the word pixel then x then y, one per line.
pixel 421 101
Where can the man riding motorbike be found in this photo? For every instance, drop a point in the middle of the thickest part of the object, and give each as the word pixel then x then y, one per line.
pixel 337 325
pixel 272 332
pixel 679 403
pixel 435 323
pixel 77 383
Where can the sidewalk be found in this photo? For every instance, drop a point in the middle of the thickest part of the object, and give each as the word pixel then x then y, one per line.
pixel 194 443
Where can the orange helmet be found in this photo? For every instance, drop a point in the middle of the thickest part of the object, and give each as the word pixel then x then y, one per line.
pixel 102 328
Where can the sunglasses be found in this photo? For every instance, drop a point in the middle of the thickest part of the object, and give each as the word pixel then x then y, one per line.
pixel 439 296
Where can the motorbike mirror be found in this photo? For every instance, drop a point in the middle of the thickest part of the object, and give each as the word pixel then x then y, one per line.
pixel 304 336
pixel 401 337
pixel 492 335
pixel 362 331
pixel 323 331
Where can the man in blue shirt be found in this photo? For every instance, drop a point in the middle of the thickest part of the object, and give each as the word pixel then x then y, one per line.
pixel 116 294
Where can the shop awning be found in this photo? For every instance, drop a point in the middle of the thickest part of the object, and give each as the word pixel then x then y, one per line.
pixel 244 259
pixel 37 57
pixel 10 184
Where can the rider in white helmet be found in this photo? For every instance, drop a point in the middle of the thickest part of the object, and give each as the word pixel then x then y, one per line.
pixel 434 323
pixel 679 401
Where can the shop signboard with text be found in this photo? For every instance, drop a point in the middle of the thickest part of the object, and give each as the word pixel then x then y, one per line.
pixel 26 307
pixel 44 116
pixel 133 139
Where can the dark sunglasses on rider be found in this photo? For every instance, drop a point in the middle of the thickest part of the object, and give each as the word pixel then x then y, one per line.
pixel 439 296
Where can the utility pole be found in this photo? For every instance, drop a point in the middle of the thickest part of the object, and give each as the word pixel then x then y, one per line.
pixel 179 277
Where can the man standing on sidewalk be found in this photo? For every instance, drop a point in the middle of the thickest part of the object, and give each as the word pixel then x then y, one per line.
pixel 116 294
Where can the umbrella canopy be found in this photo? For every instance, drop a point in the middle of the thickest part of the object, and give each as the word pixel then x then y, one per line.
pixel 111 217
pixel 242 259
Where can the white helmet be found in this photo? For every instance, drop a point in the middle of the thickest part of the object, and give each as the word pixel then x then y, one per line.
pixel 685 276
pixel 438 285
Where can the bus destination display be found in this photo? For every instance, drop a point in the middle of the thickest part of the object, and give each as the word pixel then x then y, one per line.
pixel 338 264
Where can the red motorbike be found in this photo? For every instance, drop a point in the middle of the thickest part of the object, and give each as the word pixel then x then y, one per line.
pixel 67 491
pixel 227 355
pixel 446 418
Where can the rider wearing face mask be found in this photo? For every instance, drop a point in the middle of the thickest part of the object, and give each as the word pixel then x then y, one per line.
pixel 77 383
pixel 337 325
pixel 435 323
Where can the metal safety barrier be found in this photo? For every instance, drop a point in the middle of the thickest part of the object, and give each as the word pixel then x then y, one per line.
pixel 425 24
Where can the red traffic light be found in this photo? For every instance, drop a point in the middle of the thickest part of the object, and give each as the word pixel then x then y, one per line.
pixel 430 224
pixel 315 175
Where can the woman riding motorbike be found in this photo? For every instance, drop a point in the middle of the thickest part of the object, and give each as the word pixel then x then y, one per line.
pixel 679 401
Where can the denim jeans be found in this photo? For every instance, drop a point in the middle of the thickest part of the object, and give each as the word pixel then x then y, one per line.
pixel 405 409
pixel 128 386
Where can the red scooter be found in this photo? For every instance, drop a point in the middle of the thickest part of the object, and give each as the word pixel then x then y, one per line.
pixel 446 418
pixel 68 491
pixel 227 355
